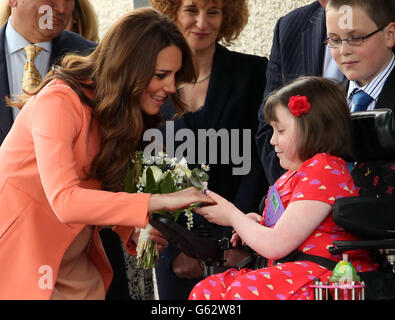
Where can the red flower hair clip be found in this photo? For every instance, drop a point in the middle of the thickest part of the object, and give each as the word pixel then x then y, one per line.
pixel 298 105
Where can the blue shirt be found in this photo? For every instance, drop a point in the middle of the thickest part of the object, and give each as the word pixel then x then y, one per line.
pixel 330 69
pixel 374 87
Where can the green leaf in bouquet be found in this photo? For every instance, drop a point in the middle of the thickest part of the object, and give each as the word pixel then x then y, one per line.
pixel 151 185
pixel 175 215
pixel 197 177
pixel 129 185
pixel 201 175
pixel 167 185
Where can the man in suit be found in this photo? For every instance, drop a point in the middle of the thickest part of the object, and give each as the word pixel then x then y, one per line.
pixel 298 49
pixel 25 26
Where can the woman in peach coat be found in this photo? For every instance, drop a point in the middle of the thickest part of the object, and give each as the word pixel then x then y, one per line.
pixel 62 164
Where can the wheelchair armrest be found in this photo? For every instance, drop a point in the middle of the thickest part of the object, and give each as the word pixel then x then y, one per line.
pixel 367 216
pixel 343 246
pixel 207 249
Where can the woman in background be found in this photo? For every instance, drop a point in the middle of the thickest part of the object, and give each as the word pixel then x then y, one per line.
pixel 227 96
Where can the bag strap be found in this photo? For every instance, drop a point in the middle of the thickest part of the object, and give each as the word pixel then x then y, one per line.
pixel 298 255
pixel 255 261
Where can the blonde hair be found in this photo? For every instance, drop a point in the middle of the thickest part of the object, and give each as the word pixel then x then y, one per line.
pixel 5 12
pixel 235 16
pixel 85 20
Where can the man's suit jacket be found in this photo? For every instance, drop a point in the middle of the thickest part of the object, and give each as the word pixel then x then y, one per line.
pixel 234 94
pixel 387 95
pixel 62 44
pixel 297 50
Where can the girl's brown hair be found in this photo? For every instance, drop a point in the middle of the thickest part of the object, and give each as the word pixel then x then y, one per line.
pixel 235 16
pixel 326 127
pixel 117 72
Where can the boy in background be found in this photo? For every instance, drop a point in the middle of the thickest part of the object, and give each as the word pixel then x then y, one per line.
pixel 362 37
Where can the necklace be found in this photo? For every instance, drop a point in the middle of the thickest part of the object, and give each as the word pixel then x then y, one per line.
pixel 204 78
pixel 197 81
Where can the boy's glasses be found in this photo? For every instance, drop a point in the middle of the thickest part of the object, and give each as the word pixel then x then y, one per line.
pixel 352 41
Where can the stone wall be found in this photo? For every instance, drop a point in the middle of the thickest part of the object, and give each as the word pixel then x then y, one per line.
pixel 256 38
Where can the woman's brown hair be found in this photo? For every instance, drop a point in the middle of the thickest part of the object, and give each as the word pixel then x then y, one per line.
pixel 117 72
pixel 326 127
pixel 235 16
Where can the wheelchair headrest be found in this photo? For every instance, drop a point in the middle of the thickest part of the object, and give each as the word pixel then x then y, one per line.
pixel 373 135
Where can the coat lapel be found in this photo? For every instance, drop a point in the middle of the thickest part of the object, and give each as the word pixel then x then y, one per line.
pixel 219 88
pixel 386 98
pixel 55 51
pixel 312 38
pixel 6 118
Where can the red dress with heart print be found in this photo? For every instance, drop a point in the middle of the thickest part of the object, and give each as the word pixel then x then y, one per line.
pixel 322 178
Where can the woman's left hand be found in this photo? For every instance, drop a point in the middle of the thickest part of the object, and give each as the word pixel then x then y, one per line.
pixel 157 236
pixel 220 213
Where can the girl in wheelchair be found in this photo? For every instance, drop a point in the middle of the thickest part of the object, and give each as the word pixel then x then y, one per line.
pixel 311 133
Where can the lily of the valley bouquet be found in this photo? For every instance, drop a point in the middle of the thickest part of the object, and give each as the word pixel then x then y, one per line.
pixel 161 174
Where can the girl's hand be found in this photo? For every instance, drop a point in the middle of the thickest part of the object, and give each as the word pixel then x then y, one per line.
pixel 178 200
pixel 221 213
pixel 235 237
pixel 254 216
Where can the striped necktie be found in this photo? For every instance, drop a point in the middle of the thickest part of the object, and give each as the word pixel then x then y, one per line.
pixel 31 76
pixel 361 101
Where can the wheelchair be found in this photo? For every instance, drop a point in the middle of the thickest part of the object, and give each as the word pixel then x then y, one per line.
pixel 371 215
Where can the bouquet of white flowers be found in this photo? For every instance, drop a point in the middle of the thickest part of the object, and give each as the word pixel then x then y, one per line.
pixel 161 174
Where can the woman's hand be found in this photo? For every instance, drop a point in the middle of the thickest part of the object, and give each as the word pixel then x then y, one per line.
pixel 234 256
pixel 221 213
pixel 178 200
pixel 157 236
pixel 135 235
pixel 186 267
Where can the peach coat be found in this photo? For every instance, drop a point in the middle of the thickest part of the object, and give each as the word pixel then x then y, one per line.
pixel 45 203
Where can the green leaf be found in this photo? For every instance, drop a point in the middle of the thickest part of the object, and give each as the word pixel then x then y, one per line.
pixel 167 185
pixel 195 180
pixel 151 185
pixel 201 175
